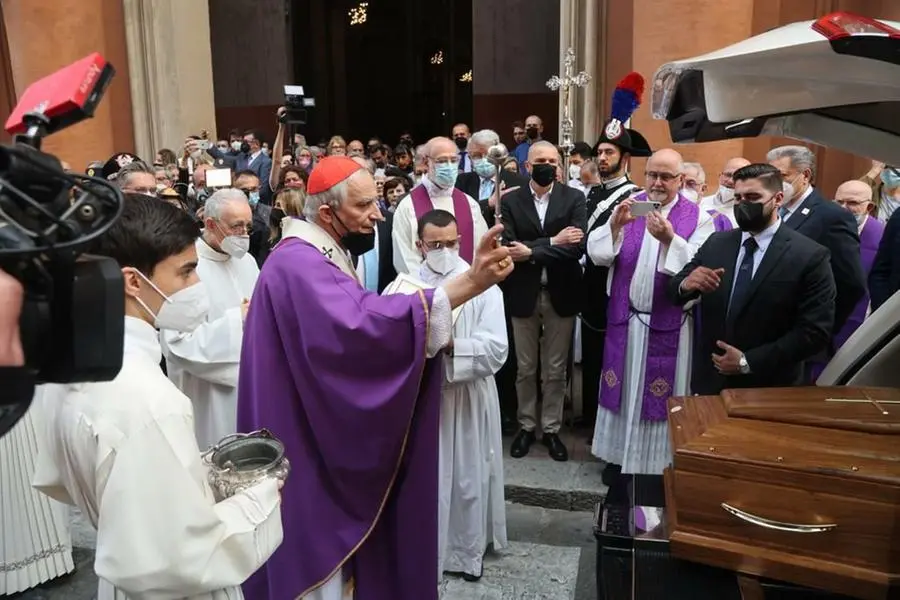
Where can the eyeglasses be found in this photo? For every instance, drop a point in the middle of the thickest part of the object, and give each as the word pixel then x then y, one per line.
pixel 238 228
pixel 440 244
pixel 851 202
pixel 664 177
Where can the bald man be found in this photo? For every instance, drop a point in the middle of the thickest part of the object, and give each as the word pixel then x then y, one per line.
pixel 722 201
pixel 648 339
pixel 534 130
pixel 437 190
pixel 856 197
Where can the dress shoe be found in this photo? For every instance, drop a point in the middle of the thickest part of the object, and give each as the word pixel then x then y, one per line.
pixel 473 578
pixel 521 443
pixel 557 449
pixel 611 473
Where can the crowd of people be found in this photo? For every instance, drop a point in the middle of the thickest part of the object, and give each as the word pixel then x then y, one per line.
pixel 362 302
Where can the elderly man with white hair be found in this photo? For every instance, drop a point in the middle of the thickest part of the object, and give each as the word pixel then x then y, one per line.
pixel 437 191
pixel 479 183
pixel 346 379
pixel 204 363
pixel 694 182
pixel 805 210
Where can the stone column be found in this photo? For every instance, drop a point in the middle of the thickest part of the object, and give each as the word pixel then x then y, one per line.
pixel 47 35
pixel 171 64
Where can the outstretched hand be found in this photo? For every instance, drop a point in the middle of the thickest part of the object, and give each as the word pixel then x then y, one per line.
pixel 491 263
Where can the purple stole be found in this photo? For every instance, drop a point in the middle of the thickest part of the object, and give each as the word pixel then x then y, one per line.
pixel 720 221
pixel 461 210
pixel 665 320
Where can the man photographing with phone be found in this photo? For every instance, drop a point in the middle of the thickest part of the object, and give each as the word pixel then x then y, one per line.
pixel 649 238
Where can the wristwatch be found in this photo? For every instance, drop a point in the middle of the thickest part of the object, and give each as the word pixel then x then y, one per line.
pixel 744 365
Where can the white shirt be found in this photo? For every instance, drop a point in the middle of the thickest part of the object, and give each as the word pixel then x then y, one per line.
pixel 253 157
pixel 795 206
pixel 763 239
pixel 124 452
pixel 204 363
pixel 540 204
pixel 407 257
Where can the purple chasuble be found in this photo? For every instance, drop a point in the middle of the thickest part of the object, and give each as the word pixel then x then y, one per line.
pixel 461 210
pixel 339 374
pixel 665 320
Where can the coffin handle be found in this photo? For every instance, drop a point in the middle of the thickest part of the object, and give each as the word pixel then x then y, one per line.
pixel 778 525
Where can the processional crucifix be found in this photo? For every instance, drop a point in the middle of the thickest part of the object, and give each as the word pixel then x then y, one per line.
pixel 564 84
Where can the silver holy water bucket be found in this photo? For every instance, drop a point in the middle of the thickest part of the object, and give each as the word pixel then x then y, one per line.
pixel 242 460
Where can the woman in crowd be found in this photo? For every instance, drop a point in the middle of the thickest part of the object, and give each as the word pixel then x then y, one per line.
pixel 394 190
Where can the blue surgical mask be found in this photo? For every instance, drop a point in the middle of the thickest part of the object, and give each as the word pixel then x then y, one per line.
pixel 890 178
pixel 483 168
pixel 445 175
pixel 254 199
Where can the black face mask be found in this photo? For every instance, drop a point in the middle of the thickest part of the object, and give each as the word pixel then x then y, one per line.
pixel 461 143
pixel 356 243
pixel 276 216
pixel 245 147
pixel 532 133
pixel 543 174
pixel 752 216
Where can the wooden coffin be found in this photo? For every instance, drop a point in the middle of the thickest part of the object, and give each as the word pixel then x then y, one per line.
pixel 797 484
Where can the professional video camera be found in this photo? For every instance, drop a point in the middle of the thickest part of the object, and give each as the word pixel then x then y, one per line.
pixel 72 323
pixel 296 104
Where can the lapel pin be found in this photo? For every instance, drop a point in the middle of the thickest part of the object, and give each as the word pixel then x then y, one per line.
pixel 804 211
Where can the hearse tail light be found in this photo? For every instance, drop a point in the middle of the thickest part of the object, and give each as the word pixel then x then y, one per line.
pixel 839 25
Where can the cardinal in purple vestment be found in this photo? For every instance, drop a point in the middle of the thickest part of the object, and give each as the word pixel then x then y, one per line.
pixel 343 377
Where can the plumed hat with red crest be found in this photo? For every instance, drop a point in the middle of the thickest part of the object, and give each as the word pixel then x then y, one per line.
pixel 625 101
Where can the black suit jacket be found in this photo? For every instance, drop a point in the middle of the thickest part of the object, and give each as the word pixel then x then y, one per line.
pixel 566 208
pixel 830 225
pixel 470 183
pixel 386 271
pixel 786 319
pixel 884 278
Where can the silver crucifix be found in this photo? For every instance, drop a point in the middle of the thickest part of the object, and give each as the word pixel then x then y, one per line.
pixel 564 84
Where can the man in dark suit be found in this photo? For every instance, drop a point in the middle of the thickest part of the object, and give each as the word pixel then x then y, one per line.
pixel 767 294
pixel 479 183
pixel 376 267
pixel 822 221
pixel 544 226
pixel 884 278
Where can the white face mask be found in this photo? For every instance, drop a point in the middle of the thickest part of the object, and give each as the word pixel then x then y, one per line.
pixel 442 260
pixel 691 194
pixel 726 194
pixel 236 146
pixel 236 246
pixel 195 154
pixel 185 310
pixel 574 171
pixel 860 219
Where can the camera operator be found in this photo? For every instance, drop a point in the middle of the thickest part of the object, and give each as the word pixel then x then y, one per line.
pixel 125 452
pixel 11 296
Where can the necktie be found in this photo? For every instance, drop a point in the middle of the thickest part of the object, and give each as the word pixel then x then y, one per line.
pixel 744 276
pixel 370 260
pixel 782 211
pixel 462 161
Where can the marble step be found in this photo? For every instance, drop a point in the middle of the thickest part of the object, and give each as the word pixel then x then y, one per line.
pixel 535 480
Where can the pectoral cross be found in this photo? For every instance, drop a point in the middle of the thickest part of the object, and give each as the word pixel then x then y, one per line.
pixel 564 84
pixel 867 400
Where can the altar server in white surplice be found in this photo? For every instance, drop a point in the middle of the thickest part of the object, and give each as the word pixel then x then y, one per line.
pixel 125 452
pixel 647 353
pixel 204 363
pixel 471 512
pixel 35 538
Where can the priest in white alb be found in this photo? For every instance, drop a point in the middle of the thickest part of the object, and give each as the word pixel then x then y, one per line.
pixel 647 353
pixel 471 511
pixel 436 191
pixel 204 363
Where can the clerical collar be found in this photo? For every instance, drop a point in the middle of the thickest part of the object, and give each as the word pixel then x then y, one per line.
pixel 613 183
pixel 204 250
